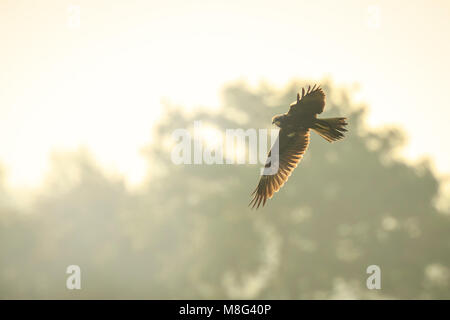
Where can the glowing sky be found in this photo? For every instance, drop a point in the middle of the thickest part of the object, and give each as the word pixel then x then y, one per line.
pixel 98 81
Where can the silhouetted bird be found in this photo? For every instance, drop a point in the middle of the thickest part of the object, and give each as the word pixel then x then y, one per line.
pixel 293 139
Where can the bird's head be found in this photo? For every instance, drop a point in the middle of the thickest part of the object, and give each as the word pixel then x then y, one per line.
pixel 278 120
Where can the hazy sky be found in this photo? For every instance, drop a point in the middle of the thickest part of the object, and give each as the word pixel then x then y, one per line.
pixel 94 72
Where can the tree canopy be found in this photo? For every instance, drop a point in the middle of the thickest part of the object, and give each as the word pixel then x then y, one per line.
pixel 187 231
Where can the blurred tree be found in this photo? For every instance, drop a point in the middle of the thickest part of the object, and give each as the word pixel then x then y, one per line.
pixel 187 232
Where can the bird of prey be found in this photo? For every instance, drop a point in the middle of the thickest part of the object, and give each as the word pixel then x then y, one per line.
pixel 293 139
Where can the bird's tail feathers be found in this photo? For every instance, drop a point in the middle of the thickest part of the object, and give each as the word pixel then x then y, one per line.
pixel 331 129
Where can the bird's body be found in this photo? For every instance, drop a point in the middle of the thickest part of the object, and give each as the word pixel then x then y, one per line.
pixel 293 140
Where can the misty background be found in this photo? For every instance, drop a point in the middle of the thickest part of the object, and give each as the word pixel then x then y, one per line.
pixel 185 232
pixel 91 91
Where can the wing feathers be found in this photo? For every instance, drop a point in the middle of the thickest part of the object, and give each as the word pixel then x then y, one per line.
pixel 312 102
pixel 291 151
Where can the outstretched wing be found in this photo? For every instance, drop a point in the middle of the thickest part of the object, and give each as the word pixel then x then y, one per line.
pixel 291 146
pixel 311 102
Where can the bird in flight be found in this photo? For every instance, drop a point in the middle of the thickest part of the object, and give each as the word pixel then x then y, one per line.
pixel 293 139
